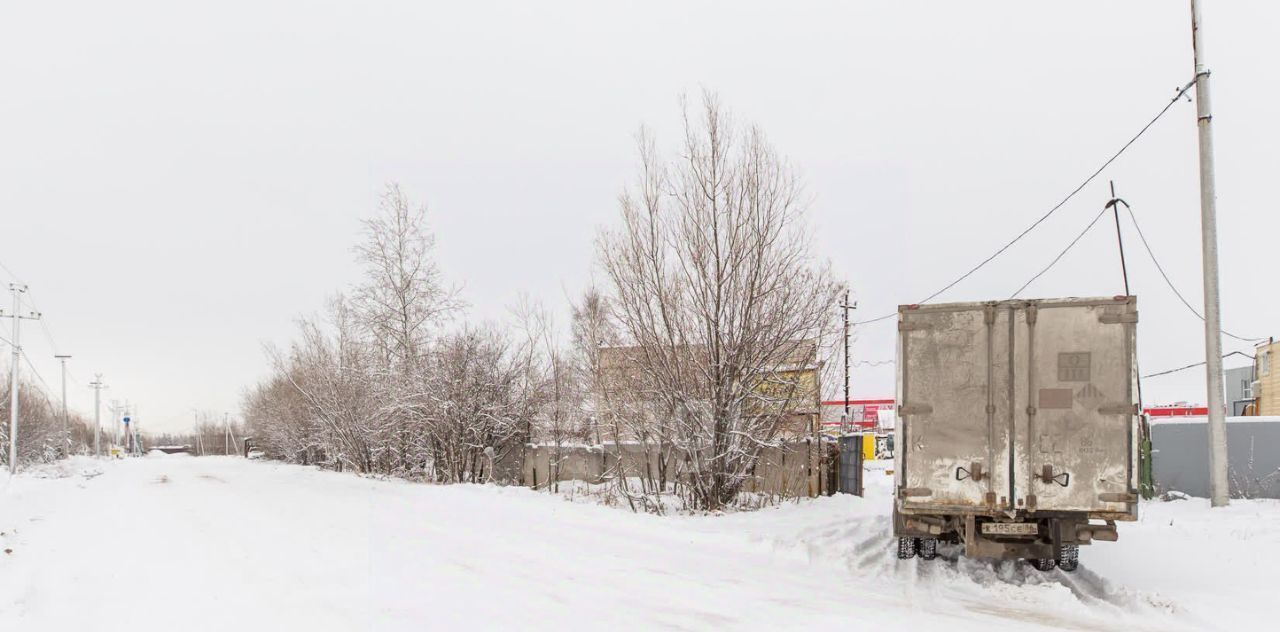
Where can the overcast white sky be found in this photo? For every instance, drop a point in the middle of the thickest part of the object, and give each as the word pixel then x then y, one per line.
pixel 181 180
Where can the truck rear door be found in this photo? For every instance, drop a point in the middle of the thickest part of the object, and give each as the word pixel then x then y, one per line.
pixel 1075 450
pixel 955 394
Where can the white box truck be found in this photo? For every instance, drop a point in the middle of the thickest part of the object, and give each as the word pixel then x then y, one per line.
pixel 1017 432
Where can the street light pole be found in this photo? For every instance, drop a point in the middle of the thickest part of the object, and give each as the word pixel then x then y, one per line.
pixel 1218 487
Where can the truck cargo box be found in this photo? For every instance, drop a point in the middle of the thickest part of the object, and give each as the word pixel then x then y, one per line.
pixel 1018 409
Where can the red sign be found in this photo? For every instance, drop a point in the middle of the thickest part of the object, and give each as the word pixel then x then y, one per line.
pixel 863 413
pixel 1177 411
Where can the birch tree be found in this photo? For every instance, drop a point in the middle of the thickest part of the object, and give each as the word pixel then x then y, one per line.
pixel 402 293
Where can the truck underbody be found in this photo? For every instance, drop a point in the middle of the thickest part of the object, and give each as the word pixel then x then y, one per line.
pixel 1045 539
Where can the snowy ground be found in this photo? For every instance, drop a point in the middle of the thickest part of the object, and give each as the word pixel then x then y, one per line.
pixel 223 543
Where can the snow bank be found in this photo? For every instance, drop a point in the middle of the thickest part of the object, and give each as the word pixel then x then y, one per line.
pixel 63 468
pixel 260 545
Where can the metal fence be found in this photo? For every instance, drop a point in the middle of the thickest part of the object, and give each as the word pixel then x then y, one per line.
pixel 1180 456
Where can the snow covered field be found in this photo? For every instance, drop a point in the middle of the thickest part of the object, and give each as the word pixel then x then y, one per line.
pixel 218 543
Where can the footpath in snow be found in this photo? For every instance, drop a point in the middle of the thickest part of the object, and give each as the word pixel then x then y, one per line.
pixel 214 543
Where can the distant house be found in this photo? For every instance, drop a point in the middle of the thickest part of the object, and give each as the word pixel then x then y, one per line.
pixel 1239 390
pixel 790 386
pixel 1266 380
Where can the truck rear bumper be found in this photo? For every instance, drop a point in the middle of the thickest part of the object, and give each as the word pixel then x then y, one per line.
pixel 1000 536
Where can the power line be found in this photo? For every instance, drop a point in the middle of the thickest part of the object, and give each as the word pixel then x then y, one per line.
pixel 43 392
pixel 1194 365
pixel 31 300
pixel 11 273
pixel 44 326
pixel 1051 211
pixel 1169 282
pixel 1063 253
pixel 872 362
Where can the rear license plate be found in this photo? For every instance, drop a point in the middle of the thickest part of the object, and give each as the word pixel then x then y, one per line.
pixel 1010 528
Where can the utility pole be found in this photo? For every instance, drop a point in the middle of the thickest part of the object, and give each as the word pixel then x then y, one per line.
pixel 97 414
pixel 18 289
pixel 1218 487
pixel 845 306
pixel 226 437
pixel 66 435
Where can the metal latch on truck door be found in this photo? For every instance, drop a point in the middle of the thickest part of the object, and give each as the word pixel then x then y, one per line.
pixel 974 473
pixel 1047 476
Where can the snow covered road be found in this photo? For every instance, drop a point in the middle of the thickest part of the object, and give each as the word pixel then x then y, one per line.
pixel 223 543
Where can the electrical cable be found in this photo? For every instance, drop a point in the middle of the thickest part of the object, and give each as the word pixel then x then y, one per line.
pixel 44 326
pixel 47 389
pixel 1063 253
pixel 11 273
pixel 1051 211
pixel 1152 254
pixel 1194 365
pixel 871 363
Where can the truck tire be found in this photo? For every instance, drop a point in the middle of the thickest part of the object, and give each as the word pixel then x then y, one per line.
pixel 906 548
pixel 1069 557
pixel 1045 564
pixel 928 548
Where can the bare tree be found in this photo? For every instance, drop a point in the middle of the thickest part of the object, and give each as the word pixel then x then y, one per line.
pixel 277 417
pixel 561 417
pixel 715 288
pixel 401 298
pixel 41 438
pixel 592 330
pixel 402 294
pixel 478 401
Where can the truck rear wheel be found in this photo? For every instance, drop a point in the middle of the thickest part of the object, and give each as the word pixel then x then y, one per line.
pixel 906 548
pixel 1045 564
pixel 1069 557
pixel 928 548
